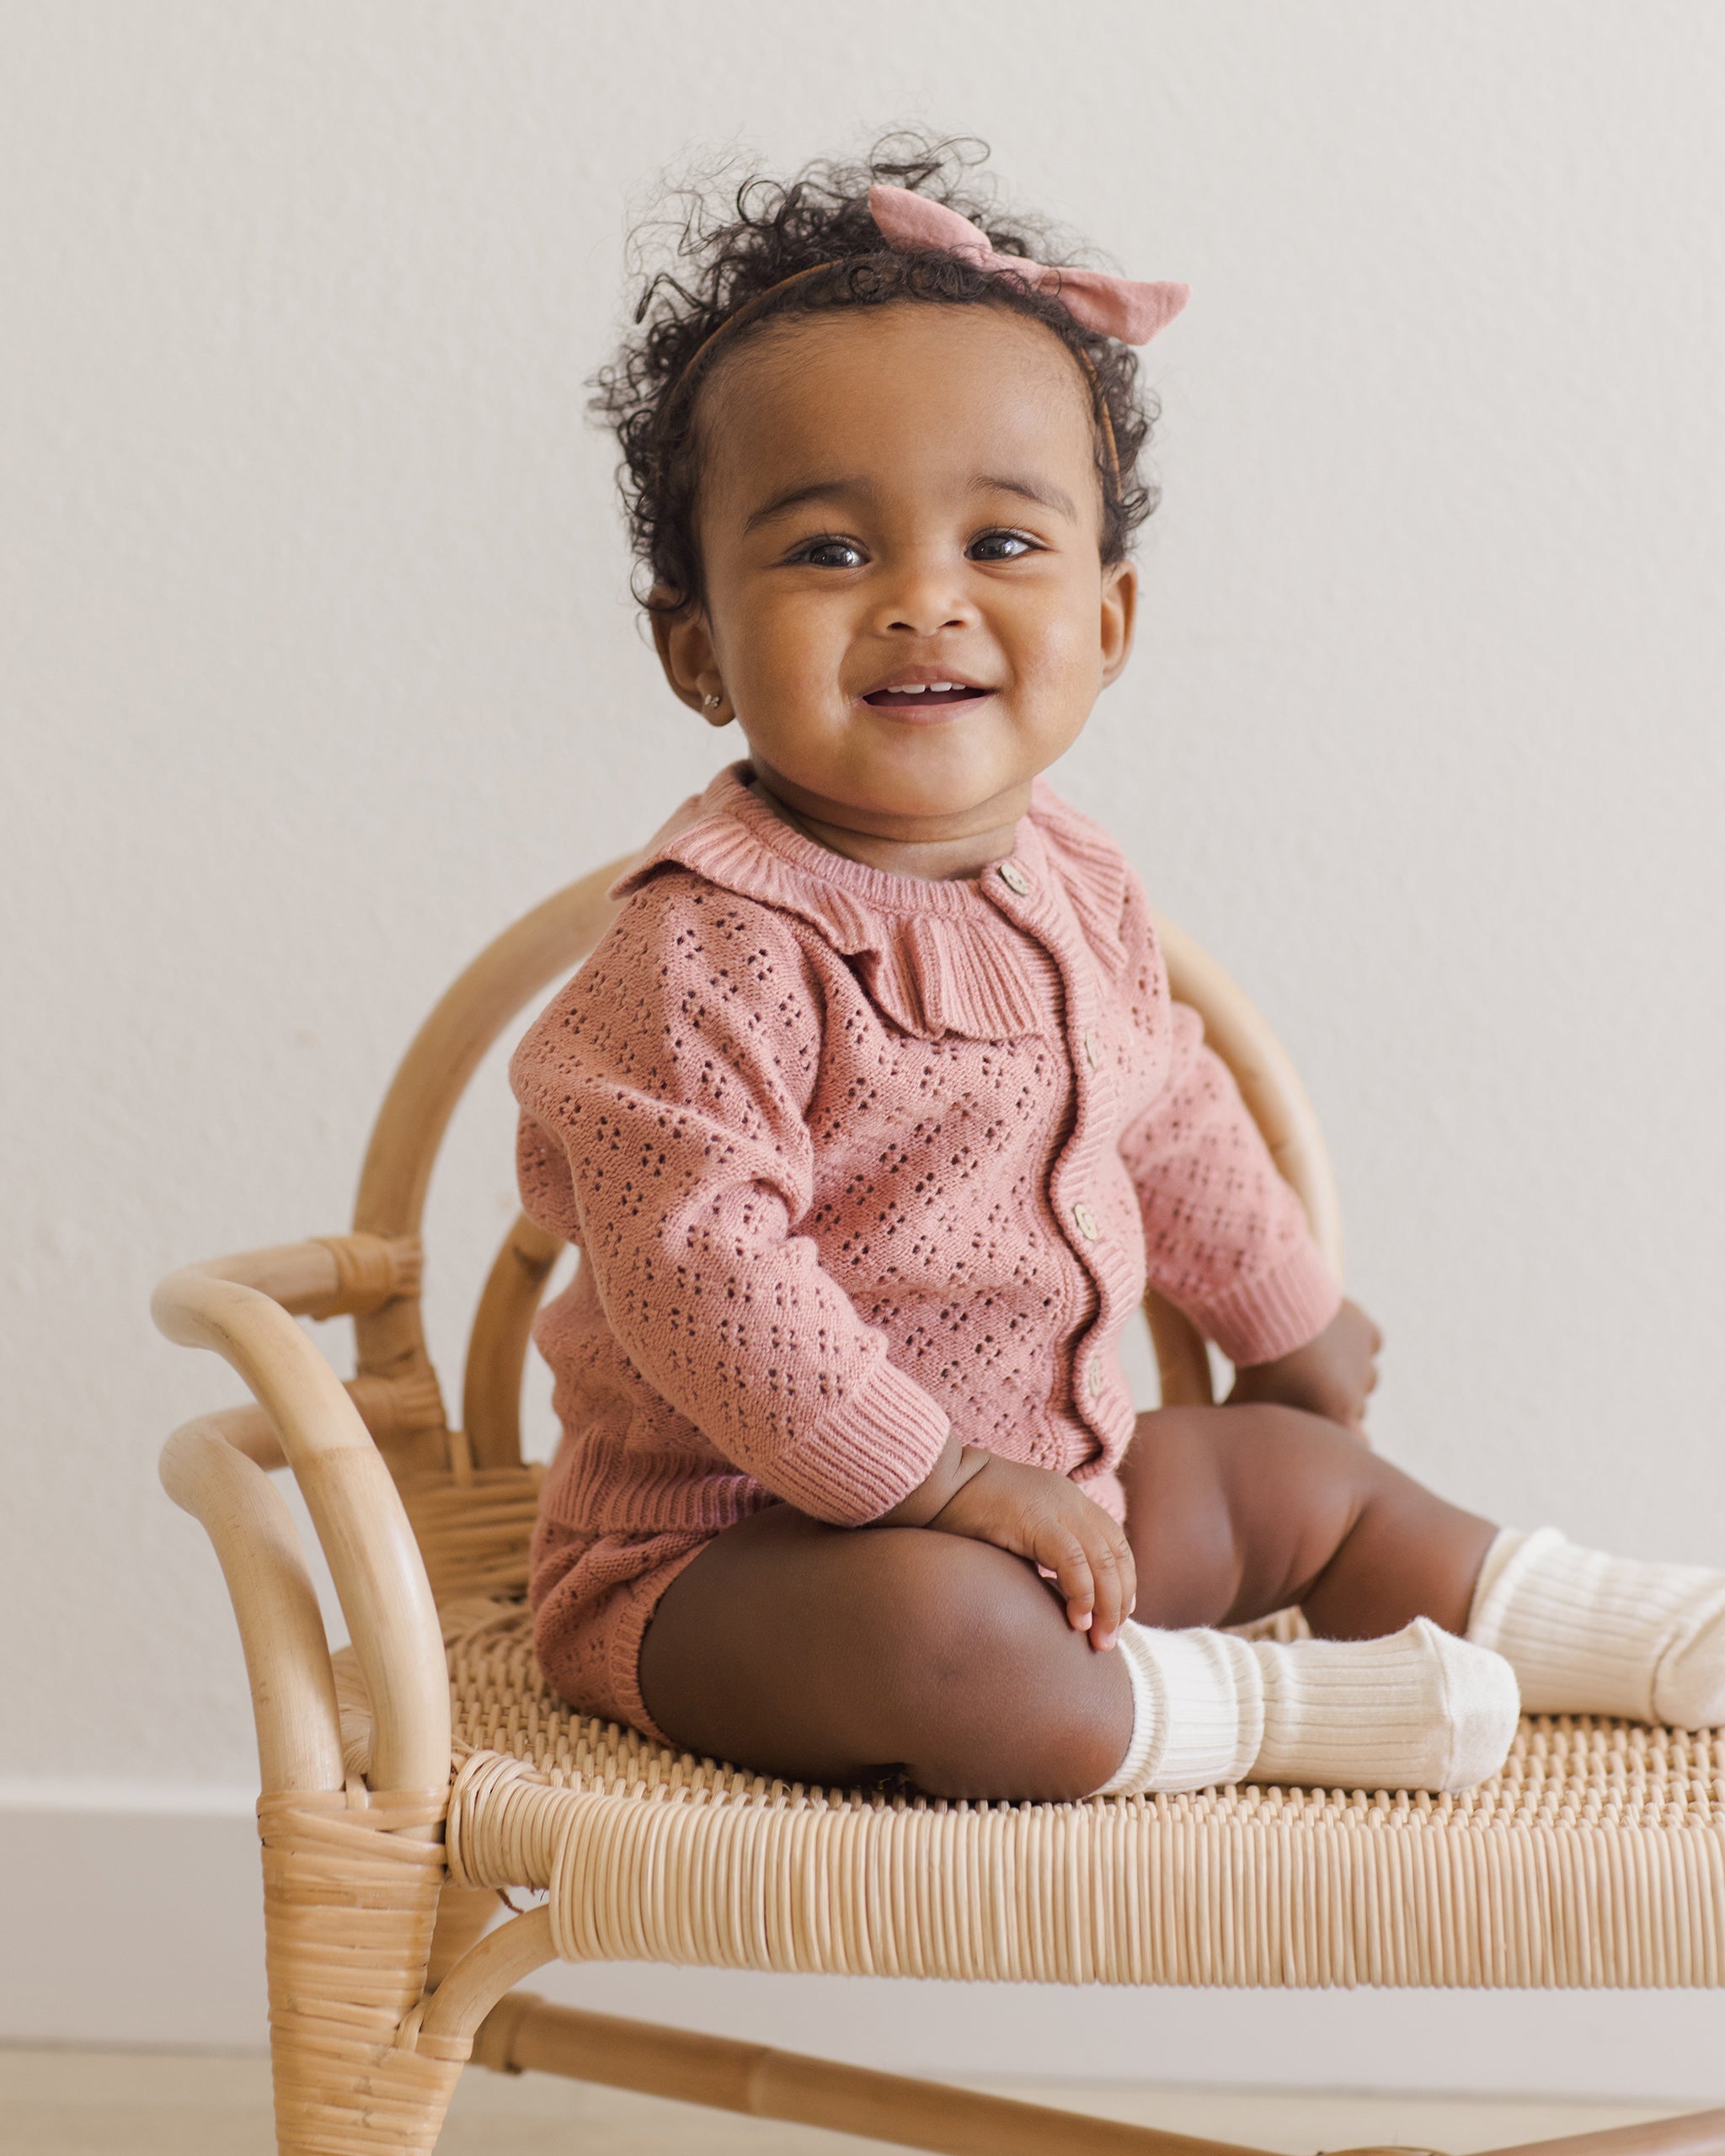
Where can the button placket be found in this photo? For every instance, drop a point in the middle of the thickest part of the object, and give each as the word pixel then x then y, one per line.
pixel 1094 1093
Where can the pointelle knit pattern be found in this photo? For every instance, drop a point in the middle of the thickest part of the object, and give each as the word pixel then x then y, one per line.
pixel 853 1160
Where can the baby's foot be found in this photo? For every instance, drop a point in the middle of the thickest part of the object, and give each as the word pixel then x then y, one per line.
pixel 1588 1633
pixel 1418 1709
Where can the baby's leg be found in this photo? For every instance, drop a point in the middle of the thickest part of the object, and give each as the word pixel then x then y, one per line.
pixel 829 1655
pixel 1235 1512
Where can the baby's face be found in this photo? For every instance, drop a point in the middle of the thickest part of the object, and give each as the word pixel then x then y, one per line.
pixel 894 500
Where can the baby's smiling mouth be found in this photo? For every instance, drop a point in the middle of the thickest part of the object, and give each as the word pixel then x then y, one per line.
pixel 921 689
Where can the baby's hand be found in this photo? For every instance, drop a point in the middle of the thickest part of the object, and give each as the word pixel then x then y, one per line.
pixel 1332 1375
pixel 1038 1515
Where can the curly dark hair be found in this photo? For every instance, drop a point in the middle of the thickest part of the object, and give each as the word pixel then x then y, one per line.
pixel 734 256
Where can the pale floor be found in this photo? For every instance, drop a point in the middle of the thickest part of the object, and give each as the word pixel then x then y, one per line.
pixel 85 2103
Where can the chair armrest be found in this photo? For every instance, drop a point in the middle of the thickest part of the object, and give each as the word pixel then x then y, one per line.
pixel 275 1603
pixel 389 1407
pixel 373 1558
pixel 329 1276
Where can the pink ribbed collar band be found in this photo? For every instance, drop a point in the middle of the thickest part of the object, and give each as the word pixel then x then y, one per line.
pixel 730 794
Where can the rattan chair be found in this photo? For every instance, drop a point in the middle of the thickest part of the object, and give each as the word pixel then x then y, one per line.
pixel 411 1780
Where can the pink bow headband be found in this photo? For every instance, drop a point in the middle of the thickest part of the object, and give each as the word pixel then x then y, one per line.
pixel 1115 307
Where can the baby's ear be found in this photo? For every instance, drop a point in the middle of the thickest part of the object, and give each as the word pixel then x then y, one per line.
pixel 684 643
pixel 1119 618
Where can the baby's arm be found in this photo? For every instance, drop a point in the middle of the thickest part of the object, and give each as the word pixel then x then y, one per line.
pixel 1334 1375
pixel 1227 1242
pixel 664 1096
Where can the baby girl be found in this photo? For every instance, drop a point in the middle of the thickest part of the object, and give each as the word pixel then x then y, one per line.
pixel 871 1117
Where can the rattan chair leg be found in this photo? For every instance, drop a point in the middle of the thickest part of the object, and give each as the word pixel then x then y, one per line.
pixel 463 1915
pixel 350 1893
pixel 525 2034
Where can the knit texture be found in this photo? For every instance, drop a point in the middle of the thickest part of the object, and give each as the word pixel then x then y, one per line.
pixel 1197 1711
pixel 1418 1710
pixel 853 1160
pixel 1588 1633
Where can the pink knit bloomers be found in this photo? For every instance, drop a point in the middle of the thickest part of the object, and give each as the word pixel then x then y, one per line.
pixel 853 1160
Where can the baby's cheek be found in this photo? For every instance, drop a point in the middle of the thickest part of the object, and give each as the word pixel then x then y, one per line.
pixel 1056 638
pixel 782 655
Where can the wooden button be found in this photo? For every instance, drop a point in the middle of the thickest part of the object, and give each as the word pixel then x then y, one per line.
pixel 1090 1054
pixel 1085 1221
pixel 1013 878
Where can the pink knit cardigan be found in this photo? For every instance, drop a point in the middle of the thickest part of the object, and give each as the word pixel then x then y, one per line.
pixel 854 1159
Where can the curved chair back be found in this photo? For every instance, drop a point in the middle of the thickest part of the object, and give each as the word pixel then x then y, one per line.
pixel 470 1498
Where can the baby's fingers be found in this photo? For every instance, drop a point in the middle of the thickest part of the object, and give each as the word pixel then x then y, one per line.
pixel 1062 1552
pixel 1094 1570
pixel 1115 1581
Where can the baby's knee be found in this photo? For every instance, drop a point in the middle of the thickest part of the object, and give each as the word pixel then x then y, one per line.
pixel 1270 1423
pixel 1229 1505
pixel 999 1696
pixel 1263 1443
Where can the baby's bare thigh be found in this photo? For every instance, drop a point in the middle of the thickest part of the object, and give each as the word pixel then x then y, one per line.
pixel 835 1655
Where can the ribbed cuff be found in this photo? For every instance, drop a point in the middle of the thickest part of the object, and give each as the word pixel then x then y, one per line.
pixel 880 1446
pixel 1216 1710
pixel 1197 1711
pixel 1275 1313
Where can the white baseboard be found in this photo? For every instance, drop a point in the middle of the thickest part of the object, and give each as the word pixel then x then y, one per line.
pixel 136 1923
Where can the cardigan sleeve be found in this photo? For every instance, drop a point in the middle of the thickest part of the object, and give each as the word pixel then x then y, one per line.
pixel 663 1100
pixel 1225 1238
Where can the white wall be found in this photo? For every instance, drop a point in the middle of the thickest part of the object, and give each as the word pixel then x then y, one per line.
pixel 318 664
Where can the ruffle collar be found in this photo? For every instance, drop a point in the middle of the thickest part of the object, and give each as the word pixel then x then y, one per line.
pixel 936 957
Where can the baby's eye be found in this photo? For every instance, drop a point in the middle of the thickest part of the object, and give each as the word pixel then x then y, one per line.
pixel 830 554
pixel 1000 547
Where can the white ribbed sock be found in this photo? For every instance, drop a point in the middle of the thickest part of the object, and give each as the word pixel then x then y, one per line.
pixel 1419 1709
pixel 1591 1634
pixel 1197 1711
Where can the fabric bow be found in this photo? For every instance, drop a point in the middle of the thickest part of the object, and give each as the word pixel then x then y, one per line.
pixel 1117 306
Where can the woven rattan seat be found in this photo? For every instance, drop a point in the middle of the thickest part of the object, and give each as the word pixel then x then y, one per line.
pixel 410 1780
pixel 1596 1858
